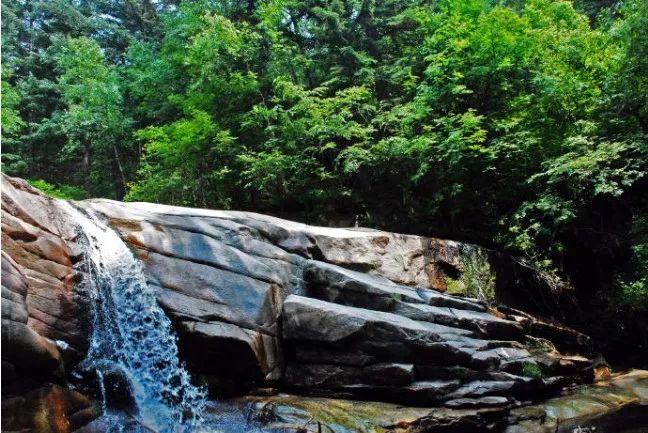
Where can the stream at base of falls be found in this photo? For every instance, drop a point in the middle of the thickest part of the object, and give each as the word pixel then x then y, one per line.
pixel 133 353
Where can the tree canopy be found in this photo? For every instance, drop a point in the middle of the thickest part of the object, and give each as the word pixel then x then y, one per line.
pixel 517 124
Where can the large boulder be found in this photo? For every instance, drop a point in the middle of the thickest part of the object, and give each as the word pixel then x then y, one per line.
pixel 38 257
pixel 44 324
pixel 405 259
pixel 260 301
pixel 367 353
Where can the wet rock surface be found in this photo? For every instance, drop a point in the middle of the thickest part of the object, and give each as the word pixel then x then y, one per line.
pixel 614 406
pixel 291 414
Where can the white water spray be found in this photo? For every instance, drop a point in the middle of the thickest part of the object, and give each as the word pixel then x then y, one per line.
pixel 130 332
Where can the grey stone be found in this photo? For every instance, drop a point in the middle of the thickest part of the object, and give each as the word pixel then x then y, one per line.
pixel 488 401
pixel 314 320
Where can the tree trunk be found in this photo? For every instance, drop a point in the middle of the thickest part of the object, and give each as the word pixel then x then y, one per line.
pixel 121 169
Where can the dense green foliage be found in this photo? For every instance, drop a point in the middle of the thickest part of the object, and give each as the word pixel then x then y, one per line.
pixel 67 192
pixel 518 124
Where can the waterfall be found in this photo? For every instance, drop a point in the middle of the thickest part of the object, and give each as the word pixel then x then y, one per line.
pixel 131 334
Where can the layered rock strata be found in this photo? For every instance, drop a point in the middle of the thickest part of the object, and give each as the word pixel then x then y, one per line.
pixel 269 302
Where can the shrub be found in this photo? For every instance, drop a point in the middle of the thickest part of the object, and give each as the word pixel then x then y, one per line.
pixel 67 192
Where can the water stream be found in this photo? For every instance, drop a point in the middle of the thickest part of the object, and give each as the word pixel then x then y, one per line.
pixel 132 336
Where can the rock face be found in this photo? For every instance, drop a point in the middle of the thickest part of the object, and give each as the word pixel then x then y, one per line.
pixel 262 302
pixel 266 302
pixel 44 333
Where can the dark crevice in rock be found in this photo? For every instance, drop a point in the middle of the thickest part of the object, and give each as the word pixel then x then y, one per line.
pixel 449 269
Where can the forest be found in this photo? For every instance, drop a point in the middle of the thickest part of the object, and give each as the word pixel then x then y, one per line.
pixel 520 125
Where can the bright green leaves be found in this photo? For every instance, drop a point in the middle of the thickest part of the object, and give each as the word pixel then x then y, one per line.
pixel 518 124
pixel 91 91
pixel 629 96
pixel 590 170
pixel 593 168
pixel 12 124
pixel 220 49
pixel 93 122
pixel 68 192
pixel 11 121
pixel 281 178
pixel 307 132
pixel 185 162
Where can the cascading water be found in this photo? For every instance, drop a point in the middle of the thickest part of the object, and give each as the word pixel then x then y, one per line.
pixel 132 334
